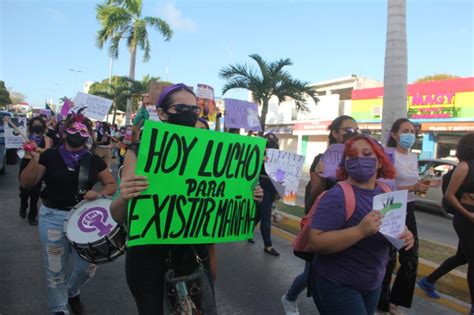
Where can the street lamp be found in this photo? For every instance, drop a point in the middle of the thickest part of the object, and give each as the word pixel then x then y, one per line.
pixel 74 80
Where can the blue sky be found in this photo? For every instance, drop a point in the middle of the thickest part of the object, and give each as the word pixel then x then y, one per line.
pixel 41 40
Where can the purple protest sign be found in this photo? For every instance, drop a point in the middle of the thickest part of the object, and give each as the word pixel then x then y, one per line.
pixel 331 159
pixel 333 156
pixel 67 105
pixel 241 114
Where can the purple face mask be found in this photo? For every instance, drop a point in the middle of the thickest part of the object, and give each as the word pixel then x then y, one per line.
pixel 361 169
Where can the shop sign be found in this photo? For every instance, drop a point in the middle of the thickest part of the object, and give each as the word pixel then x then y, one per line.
pixel 432 106
pixel 447 126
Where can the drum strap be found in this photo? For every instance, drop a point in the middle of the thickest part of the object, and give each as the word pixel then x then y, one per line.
pixel 84 173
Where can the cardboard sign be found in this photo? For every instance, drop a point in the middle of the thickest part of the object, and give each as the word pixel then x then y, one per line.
pixel 96 107
pixel 205 100
pixel 393 205
pixel 284 170
pixel 200 186
pixel 241 114
pixel 13 140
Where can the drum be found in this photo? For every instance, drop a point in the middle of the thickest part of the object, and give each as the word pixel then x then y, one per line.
pixel 94 234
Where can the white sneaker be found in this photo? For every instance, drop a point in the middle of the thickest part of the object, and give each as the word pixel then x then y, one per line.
pixel 291 308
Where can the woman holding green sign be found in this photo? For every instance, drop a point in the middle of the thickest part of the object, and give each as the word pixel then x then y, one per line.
pixel 146 266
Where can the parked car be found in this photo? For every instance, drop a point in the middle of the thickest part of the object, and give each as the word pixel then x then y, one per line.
pixel 3 150
pixel 432 201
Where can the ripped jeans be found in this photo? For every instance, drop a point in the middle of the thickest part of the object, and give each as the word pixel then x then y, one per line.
pixel 64 280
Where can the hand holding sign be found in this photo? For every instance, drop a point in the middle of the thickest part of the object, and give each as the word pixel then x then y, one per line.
pixel 393 206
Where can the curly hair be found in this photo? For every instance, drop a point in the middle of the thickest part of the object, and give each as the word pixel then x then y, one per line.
pixel 387 170
pixel 465 149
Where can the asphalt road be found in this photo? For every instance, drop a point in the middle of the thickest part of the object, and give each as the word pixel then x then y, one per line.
pixel 249 281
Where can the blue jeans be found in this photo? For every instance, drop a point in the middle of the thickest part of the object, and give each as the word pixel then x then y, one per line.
pixel 299 284
pixel 332 298
pixel 57 256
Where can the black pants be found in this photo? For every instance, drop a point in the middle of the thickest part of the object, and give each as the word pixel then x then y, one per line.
pixel 32 194
pixel 264 212
pixel 145 268
pixel 404 285
pixel 465 253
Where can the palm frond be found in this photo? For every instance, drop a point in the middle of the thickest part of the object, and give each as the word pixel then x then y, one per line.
pixel 263 66
pixel 161 26
pixel 236 83
pixel 114 45
pixel 133 6
pixel 237 70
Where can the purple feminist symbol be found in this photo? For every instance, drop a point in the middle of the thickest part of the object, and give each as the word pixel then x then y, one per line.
pixel 95 219
pixel 280 175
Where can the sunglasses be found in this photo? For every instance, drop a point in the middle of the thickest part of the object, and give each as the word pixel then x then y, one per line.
pixel 78 128
pixel 350 130
pixel 183 108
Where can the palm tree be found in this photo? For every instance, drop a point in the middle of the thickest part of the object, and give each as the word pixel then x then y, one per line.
pixel 120 92
pixel 395 71
pixel 123 19
pixel 270 80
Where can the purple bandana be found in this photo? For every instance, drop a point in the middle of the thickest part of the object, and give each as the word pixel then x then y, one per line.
pixel 71 158
pixel 36 138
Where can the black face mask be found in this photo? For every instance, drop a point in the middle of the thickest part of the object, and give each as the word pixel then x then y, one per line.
pixel 37 129
pixel 75 140
pixel 184 119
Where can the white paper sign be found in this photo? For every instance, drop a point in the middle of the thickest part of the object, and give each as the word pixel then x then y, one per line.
pixel 152 112
pixel 393 205
pixel 96 107
pixel 284 170
pixel 13 140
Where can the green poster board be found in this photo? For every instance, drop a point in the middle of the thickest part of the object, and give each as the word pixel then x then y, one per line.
pixel 200 186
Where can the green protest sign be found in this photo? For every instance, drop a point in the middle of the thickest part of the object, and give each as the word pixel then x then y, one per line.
pixel 200 186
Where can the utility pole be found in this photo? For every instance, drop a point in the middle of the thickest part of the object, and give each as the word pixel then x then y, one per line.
pixel 74 81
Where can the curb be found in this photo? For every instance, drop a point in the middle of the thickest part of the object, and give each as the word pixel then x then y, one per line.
pixel 454 283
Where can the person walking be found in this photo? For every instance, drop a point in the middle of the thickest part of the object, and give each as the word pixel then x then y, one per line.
pixel 460 194
pixel 340 130
pixel 59 168
pixel 402 138
pixel 350 256
pixel 37 134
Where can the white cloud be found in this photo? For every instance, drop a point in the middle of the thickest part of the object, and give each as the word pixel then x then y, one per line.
pixel 171 14
pixel 56 16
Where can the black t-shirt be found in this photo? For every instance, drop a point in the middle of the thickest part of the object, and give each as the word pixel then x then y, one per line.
pixel 308 201
pixel 55 137
pixel 99 136
pixel 61 183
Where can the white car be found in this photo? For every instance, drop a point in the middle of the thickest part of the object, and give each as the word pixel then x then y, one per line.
pixel 432 201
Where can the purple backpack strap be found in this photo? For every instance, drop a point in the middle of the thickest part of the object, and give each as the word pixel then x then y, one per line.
pixel 349 198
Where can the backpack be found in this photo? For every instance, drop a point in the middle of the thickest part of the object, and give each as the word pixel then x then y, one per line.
pixel 301 246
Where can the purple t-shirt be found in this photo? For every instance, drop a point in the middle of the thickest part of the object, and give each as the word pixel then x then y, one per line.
pixel 361 266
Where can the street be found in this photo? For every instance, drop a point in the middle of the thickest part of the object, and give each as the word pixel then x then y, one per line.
pixel 249 281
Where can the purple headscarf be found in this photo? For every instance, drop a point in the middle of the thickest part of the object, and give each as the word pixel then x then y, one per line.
pixel 170 89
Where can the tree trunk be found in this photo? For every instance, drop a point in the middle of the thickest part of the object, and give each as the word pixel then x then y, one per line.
pixel 131 75
pixel 263 117
pixel 115 112
pixel 395 71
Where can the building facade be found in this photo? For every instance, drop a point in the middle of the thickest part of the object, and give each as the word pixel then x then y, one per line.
pixel 443 111
pixel 306 133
